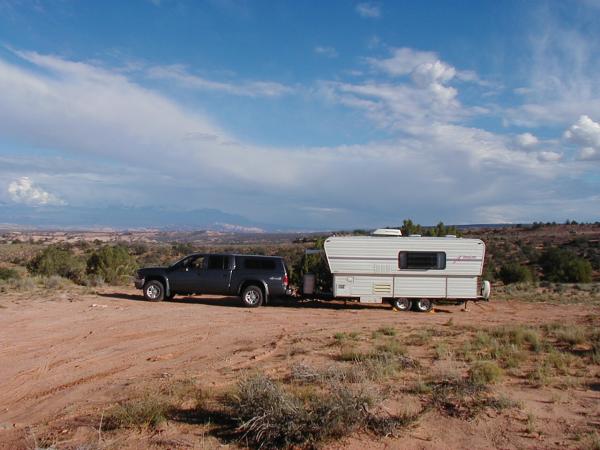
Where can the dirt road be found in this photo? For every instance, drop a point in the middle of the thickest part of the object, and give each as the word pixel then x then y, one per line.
pixel 70 352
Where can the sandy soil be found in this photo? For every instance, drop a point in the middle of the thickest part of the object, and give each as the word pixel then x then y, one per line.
pixel 70 353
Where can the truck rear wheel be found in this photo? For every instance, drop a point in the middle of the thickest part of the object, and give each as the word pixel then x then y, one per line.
pixel 154 291
pixel 402 304
pixel 252 296
pixel 423 305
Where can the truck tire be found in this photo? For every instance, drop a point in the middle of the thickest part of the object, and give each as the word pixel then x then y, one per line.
pixel 154 291
pixel 402 304
pixel 423 305
pixel 252 296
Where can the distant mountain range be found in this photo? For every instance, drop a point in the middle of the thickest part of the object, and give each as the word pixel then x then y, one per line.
pixel 71 217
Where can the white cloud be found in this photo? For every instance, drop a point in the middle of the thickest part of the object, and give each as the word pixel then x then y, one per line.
pixel 23 190
pixel 562 74
pixel 369 10
pixel 549 156
pixel 526 140
pixel 403 61
pixel 419 92
pixel 589 154
pixel 180 75
pixel 586 134
pixel 329 52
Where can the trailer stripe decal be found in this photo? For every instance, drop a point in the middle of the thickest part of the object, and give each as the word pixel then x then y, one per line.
pixel 369 258
pixel 363 258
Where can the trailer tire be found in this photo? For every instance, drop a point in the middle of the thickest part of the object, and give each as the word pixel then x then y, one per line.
pixel 401 304
pixel 423 305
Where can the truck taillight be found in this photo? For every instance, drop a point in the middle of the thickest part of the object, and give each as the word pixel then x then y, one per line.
pixel 285 280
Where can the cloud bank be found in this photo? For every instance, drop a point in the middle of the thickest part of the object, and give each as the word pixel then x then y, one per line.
pixel 159 150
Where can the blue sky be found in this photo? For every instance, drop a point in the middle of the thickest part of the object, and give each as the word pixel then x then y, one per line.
pixel 333 114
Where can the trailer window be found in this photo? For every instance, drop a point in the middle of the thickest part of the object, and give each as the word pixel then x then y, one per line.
pixel 422 260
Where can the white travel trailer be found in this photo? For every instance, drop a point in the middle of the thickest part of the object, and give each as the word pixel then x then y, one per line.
pixel 411 271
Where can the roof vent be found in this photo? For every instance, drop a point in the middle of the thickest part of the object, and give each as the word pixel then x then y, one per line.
pixel 387 232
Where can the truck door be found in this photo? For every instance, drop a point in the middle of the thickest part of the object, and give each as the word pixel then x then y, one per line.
pixel 217 276
pixel 186 276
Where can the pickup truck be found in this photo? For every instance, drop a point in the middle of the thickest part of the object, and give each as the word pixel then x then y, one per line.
pixel 255 279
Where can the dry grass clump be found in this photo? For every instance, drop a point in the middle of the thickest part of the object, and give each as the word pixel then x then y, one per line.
pixel 342 337
pixel 385 331
pixel 458 398
pixel 483 373
pixel 568 335
pixel 55 282
pixel 147 411
pixel 384 360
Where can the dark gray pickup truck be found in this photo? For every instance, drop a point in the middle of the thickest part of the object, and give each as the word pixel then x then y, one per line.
pixel 253 278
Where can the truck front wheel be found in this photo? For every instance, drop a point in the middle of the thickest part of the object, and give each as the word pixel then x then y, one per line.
pixel 252 296
pixel 154 291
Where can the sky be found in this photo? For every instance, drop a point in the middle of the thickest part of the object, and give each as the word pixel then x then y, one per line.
pixel 298 115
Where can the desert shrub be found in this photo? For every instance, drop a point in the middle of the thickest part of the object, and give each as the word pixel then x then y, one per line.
pixel 112 262
pixel 270 416
pixel 515 273
pixel 565 266
pixel 8 274
pixel 485 372
pixel 148 411
pixel 94 281
pixel 19 284
pixel 55 282
pixel 57 260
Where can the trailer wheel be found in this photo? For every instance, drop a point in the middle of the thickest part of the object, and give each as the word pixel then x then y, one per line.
pixel 424 305
pixel 402 304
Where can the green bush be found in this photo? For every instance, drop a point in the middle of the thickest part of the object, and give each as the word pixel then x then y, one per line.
pixel 57 260
pixel 112 262
pixel 564 266
pixel 515 273
pixel 7 274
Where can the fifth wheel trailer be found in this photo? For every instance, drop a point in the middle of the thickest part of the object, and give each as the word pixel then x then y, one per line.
pixel 411 271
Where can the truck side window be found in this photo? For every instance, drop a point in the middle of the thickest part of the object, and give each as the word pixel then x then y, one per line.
pixel 422 260
pixel 259 264
pixel 218 262
pixel 196 263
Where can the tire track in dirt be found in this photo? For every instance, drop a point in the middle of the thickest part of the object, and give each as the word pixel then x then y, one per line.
pixel 77 382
